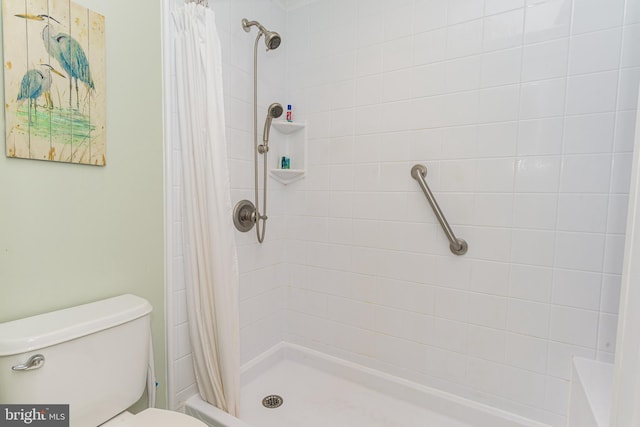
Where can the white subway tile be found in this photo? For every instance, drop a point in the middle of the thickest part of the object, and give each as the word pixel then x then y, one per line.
pixel 526 352
pixel 464 39
pixel 590 15
pixel 462 74
pixel 535 211
pixel 592 93
pixel 486 376
pixel 445 364
pixel 452 304
pixel 489 277
pixel 607 331
pixel 464 10
pixel 495 175
pixel 503 30
pixel 397 54
pixel 369 60
pixel 487 310
pixel 499 104
pixel 621 173
pixel 577 289
pixel 458 175
pixel 582 213
pixel 501 68
pixel 533 247
pixel 586 174
pixel 614 254
pixel 632 12
pixel 398 85
pixel 580 251
pixel 528 318
pixel 496 6
pixel 432 13
pixel 589 134
pixel 490 244
pixel 450 335
pixel 498 139
pixel 540 137
pixel 493 210
pixel 525 387
pixel 350 312
pixel 430 46
pixel 487 343
pixel 625 131
pixel 631 39
pixel 542 99
pixel 594 52
pixel 574 326
pixel 396 24
pixel 538 174
pixel 617 213
pixel 628 91
pixel 460 142
pixel 547 20
pixel 400 353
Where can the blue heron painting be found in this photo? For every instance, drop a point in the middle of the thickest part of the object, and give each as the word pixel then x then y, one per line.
pixel 54 50
pixel 36 83
pixel 67 51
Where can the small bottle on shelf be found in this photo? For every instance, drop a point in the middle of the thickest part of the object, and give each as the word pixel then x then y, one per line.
pixel 285 162
pixel 289 113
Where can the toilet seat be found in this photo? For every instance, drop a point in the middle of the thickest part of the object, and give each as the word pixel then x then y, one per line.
pixel 153 417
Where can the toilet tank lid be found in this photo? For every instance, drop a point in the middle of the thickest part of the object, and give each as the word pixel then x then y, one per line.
pixel 44 330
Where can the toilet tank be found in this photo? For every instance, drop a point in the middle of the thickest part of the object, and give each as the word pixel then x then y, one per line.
pixel 95 358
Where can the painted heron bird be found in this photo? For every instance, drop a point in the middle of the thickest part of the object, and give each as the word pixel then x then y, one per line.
pixel 36 83
pixel 67 51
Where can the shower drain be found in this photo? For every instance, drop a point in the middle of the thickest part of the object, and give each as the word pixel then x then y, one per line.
pixel 272 401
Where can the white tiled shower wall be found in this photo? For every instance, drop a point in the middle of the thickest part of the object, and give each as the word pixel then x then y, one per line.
pixel 524 114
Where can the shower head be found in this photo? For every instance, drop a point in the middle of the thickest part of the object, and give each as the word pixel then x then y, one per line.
pixel 275 110
pixel 271 38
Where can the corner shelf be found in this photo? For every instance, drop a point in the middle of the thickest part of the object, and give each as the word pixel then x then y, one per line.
pixel 287 176
pixel 287 128
pixel 293 143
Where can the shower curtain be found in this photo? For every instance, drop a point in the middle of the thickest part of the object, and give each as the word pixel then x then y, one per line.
pixel 210 256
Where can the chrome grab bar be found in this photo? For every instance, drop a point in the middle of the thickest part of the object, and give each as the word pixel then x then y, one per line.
pixel 457 246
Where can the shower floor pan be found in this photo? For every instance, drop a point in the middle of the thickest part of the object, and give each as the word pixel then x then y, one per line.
pixel 322 391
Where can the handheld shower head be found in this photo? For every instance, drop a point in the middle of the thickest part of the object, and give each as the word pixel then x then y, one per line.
pixel 271 38
pixel 275 110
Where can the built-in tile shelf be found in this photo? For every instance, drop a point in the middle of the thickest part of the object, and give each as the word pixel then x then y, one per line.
pixel 292 142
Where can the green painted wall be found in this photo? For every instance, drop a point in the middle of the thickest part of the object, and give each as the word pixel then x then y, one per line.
pixel 71 234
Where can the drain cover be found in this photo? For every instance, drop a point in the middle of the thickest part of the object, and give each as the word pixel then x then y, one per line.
pixel 272 401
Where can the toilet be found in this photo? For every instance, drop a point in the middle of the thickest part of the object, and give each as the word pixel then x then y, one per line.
pixel 93 357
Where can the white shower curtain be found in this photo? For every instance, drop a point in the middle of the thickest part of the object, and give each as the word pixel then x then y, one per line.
pixel 210 257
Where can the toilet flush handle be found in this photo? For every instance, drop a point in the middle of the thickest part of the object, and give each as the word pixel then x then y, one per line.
pixel 34 362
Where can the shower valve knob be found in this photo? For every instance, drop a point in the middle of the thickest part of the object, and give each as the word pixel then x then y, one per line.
pixel 244 215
